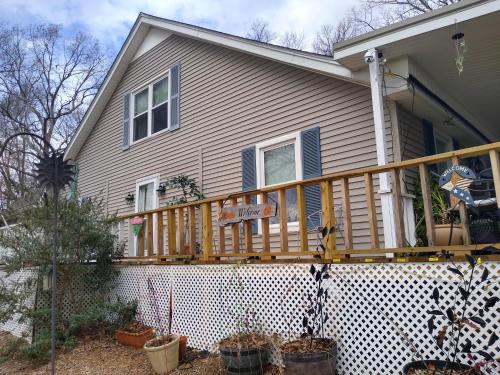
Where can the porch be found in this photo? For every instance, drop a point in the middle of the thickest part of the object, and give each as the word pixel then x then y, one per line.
pixel 192 232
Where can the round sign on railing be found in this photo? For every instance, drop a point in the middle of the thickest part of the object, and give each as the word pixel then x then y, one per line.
pixel 457 180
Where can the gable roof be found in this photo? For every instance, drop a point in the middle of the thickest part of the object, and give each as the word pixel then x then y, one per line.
pixel 145 22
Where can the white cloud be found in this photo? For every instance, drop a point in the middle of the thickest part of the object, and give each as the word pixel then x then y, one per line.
pixel 110 20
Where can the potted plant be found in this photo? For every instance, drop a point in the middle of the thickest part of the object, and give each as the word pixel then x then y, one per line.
pixel 190 191
pixel 448 230
pixel 134 334
pixel 247 350
pixel 448 325
pixel 163 350
pixel 313 353
pixel 131 332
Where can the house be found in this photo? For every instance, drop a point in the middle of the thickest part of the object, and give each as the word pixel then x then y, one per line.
pixel 240 115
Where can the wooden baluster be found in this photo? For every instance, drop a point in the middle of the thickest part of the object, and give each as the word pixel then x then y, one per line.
pixel 399 219
pixel 140 242
pixel 283 220
pixel 192 230
pixel 427 200
pixel 159 234
pixel 372 213
pixel 247 228
pixel 206 222
pixel 464 216
pixel 346 212
pixel 150 240
pixel 171 229
pixel 235 230
pixel 495 168
pixel 301 213
pixel 222 232
pixel 328 217
pixel 181 222
pixel 266 243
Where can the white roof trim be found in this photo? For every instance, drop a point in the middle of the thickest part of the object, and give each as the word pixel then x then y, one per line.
pixel 407 30
pixel 304 60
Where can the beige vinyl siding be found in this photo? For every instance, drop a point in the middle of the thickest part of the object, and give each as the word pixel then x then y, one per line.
pixel 411 143
pixel 229 101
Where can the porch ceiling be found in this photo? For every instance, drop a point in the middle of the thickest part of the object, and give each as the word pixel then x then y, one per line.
pixel 477 89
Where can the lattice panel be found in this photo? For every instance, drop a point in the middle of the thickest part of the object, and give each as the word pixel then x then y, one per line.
pixel 207 300
pixel 14 326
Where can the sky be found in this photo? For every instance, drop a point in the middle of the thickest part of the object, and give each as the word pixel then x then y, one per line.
pixel 110 20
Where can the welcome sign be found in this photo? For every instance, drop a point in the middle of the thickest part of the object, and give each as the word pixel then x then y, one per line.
pixel 235 214
pixel 457 180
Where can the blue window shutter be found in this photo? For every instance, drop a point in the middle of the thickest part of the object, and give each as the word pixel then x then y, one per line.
pixel 249 176
pixel 126 122
pixel 175 84
pixel 311 166
pixel 428 130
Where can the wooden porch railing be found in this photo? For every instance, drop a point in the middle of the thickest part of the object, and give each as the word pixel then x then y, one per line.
pixel 192 230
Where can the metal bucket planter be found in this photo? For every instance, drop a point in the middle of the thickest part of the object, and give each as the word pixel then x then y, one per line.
pixel 439 365
pixel 311 363
pixel 247 361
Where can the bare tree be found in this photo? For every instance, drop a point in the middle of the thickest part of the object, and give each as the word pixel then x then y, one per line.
pixel 260 31
pixel 395 10
pixel 292 39
pixel 46 83
pixel 329 35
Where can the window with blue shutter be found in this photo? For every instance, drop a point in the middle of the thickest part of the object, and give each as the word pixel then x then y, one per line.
pixel 288 158
pixel 126 122
pixel 311 166
pixel 153 108
pixel 249 176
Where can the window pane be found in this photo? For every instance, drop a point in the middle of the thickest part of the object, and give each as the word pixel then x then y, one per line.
pixel 160 92
pixel 279 164
pixel 141 126
pixel 145 200
pixel 141 102
pixel 160 117
pixel 291 206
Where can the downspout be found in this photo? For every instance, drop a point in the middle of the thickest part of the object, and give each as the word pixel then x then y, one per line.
pixel 376 78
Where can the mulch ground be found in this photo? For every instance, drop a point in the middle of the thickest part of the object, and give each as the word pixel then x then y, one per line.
pixel 105 356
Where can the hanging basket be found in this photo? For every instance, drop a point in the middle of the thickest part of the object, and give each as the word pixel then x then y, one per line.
pixel 137 222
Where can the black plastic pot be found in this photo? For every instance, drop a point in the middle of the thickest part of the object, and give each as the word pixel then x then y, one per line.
pixel 319 363
pixel 440 365
pixel 250 361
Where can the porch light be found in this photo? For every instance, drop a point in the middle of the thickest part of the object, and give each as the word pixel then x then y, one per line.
pixel 162 189
pixel 130 199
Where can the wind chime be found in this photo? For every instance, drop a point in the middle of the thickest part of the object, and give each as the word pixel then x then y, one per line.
pixel 460 48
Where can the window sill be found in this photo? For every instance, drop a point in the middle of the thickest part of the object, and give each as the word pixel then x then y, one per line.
pixel 164 131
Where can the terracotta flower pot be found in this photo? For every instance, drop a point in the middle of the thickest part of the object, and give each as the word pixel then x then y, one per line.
pixel 182 347
pixel 137 340
pixel 163 358
pixel 443 234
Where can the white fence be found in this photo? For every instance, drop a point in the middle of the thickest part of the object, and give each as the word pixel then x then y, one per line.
pixel 207 298
pixel 365 298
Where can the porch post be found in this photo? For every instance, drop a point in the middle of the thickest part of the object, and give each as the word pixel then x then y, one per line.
pixel 372 58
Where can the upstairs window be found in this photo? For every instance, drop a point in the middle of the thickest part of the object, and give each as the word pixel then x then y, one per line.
pixel 150 109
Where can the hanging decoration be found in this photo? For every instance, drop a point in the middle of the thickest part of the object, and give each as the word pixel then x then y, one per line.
pixel 461 48
pixel 137 222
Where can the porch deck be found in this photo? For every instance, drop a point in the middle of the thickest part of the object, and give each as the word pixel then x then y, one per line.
pixel 191 231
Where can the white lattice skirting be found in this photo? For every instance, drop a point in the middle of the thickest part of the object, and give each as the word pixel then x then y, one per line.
pixel 207 299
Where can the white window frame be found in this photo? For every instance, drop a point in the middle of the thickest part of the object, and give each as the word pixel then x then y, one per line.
pixel 264 146
pixel 444 138
pixel 155 179
pixel 149 87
